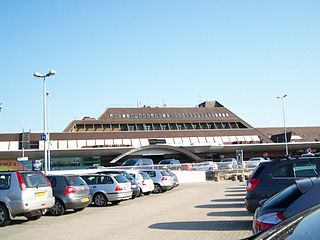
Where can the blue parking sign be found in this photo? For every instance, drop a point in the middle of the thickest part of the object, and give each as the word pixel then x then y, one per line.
pixel 44 137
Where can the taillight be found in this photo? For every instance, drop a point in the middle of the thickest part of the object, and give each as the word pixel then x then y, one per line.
pixel 252 184
pixel 164 178
pixel 22 184
pixel 118 188
pixel 143 183
pixel 268 220
pixel 70 189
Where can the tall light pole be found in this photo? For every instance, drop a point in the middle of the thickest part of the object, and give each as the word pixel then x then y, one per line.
pixel 44 136
pixel 284 122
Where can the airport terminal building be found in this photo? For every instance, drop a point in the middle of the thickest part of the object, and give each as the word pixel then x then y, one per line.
pixel 208 131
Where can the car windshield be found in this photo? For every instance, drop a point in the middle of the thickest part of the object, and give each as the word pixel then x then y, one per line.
pixel 131 162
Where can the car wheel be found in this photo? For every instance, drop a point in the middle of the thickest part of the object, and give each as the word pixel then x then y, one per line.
pixel 157 188
pixel 78 209
pixel 34 217
pixel 140 193
pixel 100 200
pixel 115 202
pixel 4 216
pixel 57 209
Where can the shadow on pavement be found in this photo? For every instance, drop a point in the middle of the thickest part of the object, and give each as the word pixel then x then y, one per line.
pixel 228 200
pixel 235 195
pixel 230 214
pixel 231 188
pixel 236 190
pixel 223 205
pixel 204 225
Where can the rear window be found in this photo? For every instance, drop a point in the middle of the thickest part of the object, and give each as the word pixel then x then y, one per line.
pixel 34 179
pixel 120 179
pixel 75 181
pixel 165 162
pixel 5 181
pixel 284 198
pixel 164 173
pixel 151 173
pixel 145 176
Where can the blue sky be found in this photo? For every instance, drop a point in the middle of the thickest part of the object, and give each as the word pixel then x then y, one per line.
pixel 115 53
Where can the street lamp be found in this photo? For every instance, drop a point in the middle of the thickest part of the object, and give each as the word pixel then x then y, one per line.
pixel 45 134
pixel 284 123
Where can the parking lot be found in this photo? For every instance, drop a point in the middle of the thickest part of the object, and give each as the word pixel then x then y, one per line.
pixel 210 210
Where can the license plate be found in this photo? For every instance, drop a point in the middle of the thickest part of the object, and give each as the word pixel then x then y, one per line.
pixel 40 194
pixel 85 199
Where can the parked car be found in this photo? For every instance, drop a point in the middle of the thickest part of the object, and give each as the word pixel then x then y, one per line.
pixel 136 192
pixel 138 163
pixel 161 179
pixel 174 177
pixel 143 181
pixel 106 188
pixel 173 164
pixel 24 193
pixel 255 161
pixel 228 164
pixel 304 225
pixel 302 195
pixel 278 173
pixel 205 166
pixel 70 192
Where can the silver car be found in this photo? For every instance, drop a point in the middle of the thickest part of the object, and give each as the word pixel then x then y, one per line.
pixel 143 180
pixel 106 188
pixel 228 164
pixel 161 179
pixel 24 193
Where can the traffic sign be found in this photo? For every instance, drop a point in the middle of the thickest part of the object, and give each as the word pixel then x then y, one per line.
pixel 44 137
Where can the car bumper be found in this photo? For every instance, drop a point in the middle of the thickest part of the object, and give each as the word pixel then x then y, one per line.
pixel 119 196
pixel 22 207
pixel 78 203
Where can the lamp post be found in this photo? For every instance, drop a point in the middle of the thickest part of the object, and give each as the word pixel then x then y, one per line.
pixel 44 136
pixel 284 122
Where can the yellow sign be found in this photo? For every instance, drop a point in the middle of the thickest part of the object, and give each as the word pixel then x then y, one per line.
pixel 9 165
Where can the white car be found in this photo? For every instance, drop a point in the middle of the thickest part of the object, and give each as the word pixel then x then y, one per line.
pixel 143 181
pixel 255 161
pixel 205 166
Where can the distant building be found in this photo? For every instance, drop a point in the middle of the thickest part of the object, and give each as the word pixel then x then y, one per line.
pixel 208 131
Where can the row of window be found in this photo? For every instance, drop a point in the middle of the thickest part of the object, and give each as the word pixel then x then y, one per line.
pixel 158 126
pixel 168 115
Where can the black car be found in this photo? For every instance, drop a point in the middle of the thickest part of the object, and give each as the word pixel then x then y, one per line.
pixel 271 177
pixel 302 195
pixel 136 192
pixel 304 225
